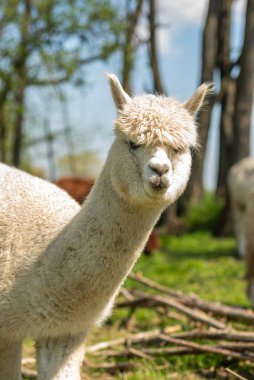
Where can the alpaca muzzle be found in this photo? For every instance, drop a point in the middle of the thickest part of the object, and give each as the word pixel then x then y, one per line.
pixel 160 182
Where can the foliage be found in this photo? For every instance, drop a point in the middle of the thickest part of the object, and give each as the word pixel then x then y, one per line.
pixel 47 42
pixel 205 214
pixel 60 36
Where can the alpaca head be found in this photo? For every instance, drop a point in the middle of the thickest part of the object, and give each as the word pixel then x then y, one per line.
pixel 151 155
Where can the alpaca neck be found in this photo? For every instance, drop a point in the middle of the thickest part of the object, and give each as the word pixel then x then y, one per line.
pixel 102 242
pixel 88 261
pixel 123 226
pixel 117 228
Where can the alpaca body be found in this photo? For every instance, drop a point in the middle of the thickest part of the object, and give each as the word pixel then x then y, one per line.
pixel 241 184
pixel 61 265
pixel 24 236
pixel 241 189
pixel 249 239
pixel 65 298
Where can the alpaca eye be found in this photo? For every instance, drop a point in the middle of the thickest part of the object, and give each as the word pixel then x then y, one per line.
pixel 133 146
pixel 176 150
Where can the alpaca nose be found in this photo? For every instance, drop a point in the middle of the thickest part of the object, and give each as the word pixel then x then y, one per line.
pixel 159 168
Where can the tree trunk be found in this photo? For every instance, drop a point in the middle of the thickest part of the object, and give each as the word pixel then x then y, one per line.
pixel 153 54
pixel 244 91
pixel 2 135
pixel 224 225
pixel 132 18
pixel 227 97
pixel 21 84
pixel 3 126
pixel 226 134
pixel 18 137
pixel 209 56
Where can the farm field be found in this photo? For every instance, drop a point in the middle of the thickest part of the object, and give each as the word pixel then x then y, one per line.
pixel 193 263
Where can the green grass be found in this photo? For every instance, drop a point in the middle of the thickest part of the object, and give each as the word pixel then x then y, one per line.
pixel 201 264
pixel 204 215
pixel 197 263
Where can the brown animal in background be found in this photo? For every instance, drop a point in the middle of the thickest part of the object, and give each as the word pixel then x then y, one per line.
pixel 153 243
pixel 79 188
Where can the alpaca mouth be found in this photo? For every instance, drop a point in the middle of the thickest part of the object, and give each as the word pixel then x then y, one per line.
pixel 156 191
pixel 159 182
pixel 159 187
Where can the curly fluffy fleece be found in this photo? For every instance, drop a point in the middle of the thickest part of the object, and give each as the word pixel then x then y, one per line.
pixel 156 120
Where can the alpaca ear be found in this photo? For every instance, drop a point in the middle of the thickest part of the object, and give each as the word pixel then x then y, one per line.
pixel 196 102
pixel 120 97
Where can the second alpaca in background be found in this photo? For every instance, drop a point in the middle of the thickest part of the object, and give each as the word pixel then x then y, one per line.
pixel 241 190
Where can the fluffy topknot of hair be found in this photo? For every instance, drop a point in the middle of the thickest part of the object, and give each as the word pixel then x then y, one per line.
pixel 150 120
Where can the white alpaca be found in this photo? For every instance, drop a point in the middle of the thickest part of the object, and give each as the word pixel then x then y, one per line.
pixel 240 184
pixel 61 266
pixel 241 188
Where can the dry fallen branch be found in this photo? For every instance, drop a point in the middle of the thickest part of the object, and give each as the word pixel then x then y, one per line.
pixel 153 300
pixel 193 314
pixel 230 312
pixel 234 349
pixel 126 294
pixel 133 338
pixel 238 346
pixel 206 348
pixel 230 343
pixel 149 338
pixel 150 351
pixel 154 285
pixel 235 374
pixel 242 336
pixel 235 313
pixel 140 353
pixel 112 367
pixel 182 350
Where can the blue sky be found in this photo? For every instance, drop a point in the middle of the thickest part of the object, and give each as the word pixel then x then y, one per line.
pixel 91 110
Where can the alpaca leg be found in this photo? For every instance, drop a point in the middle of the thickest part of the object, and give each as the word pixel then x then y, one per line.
pixel 60 358
pixel 10 360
